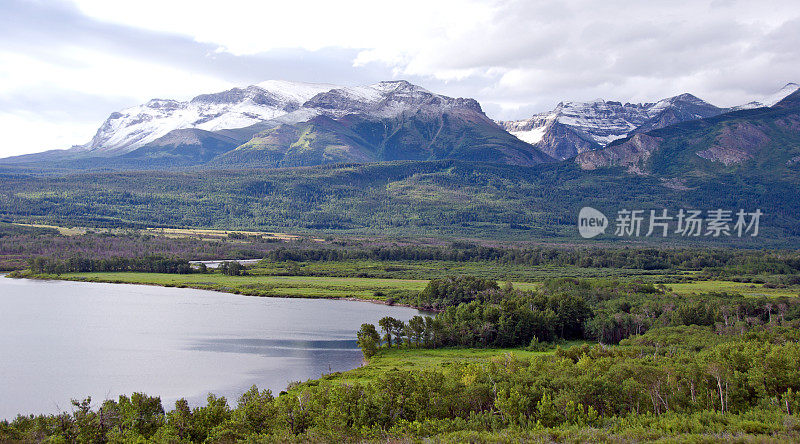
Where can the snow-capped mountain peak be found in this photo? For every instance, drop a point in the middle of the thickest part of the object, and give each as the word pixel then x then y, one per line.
pixel 136 126
pixel 278 101
pixel 770 99
pixel 299 92
pixel 574 127
pixel 383 99
pixel 781 94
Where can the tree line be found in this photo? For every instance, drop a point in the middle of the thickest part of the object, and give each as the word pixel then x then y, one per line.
pixel 475 312
pixel 715 260
pixel 115 250
pixel 147 264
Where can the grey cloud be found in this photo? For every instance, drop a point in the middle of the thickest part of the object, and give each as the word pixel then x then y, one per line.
pixel 725 52
pixel 564 50
pixel 43 30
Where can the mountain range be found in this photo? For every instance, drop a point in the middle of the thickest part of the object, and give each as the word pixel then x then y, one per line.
pixel 280 124
pixel 395 159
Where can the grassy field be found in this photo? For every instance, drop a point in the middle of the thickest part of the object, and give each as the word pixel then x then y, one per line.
pixel 288 286
pixel 415 359
pixel 743 288
pixel 218 234
pixel 197 233
pixel 65 231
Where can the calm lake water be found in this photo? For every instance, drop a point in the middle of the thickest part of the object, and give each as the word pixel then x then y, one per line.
pixel 63 340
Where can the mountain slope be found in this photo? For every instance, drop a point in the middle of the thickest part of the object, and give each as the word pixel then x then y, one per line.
pixel 682 108
pixel 386 121
pixel 189 144
pixel 771 99
pixel 319 141
pixel 574 127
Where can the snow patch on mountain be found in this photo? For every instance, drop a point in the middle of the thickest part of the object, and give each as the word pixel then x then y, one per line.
pixel 299 92
pixel 384 100
pixel 600 120
pixel 531 136
pixel 530 130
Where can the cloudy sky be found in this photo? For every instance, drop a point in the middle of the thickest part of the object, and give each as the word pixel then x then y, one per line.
pixel 66 65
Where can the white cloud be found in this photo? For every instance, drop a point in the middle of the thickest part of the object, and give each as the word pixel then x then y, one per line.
pixel 532 50
pixel 87 73
pixel 388 30
pixel 96 72
pixel 515 56
pixel 25 133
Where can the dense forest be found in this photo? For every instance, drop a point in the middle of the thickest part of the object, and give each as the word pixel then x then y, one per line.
pixel 735 261
pixel 440 199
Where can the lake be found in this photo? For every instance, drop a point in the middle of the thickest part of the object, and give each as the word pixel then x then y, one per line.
pixel 62 340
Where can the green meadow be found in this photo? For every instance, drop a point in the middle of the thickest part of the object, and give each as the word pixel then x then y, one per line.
pixel 743 288
pixel 261 283
pixel 275 286
pixel 416 359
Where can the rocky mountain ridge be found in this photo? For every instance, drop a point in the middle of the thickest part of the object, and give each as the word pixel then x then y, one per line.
pixel 573 128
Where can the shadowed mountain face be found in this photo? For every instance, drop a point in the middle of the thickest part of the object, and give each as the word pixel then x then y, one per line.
pixel 354 138
pixel 190 144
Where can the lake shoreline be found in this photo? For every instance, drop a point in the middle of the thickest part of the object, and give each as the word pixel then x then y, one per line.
pixel 71 339
pixel 42 277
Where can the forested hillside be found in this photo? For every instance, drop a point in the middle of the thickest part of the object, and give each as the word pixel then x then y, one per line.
pixel 440 198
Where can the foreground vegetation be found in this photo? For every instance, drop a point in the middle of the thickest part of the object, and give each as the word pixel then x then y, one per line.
pixel 684 383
